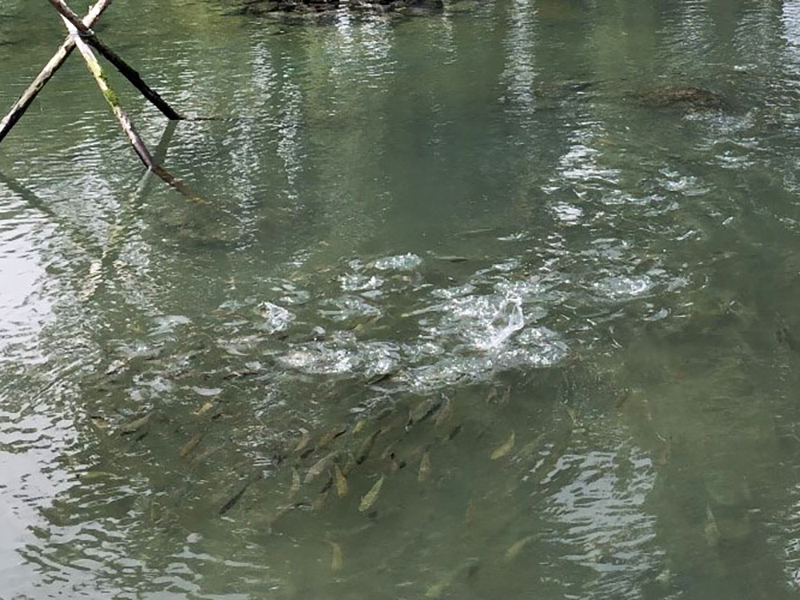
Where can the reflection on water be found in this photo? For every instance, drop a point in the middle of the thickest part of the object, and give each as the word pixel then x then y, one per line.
pixel 473 311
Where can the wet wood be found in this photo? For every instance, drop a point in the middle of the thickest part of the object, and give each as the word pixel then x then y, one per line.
pixel 122 66
pixel 28 96
pixel 125 122
pixel 112 99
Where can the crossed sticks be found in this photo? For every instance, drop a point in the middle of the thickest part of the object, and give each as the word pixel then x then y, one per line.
pixel 82 37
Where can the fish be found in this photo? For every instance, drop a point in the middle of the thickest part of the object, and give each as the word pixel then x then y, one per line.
pixel 349 464
pixel 366 447
pixel 319 501
pixel 664 455
pixel 784 335
pixel 377 378
pixel 136 425
pixel 341 482
pixel 424 468
pixel 234 500
pixel 469 518
pixel 99 422
pixel 92 475
pixel 337 557
pixel 116 367
pixel 438 588
pixel 477 232
pixel 334 433
pixel 504 448
pixel 506 398
pixel 454 432
pixel 711 530
pixel 572 415
pixel 359 426
pixel 304 442
pixel 450 258
pixel 319 467
pixel 189 446
pixel 517 547
pixel 371 496
pixel 491 395
pixel 444 414
pixel 204 409
pixel 295 487
pixel 528 449
pixel 422 411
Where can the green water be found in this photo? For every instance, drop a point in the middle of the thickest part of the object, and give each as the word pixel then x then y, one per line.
pixel 571 316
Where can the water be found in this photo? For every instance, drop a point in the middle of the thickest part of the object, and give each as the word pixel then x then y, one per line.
pixel 570 316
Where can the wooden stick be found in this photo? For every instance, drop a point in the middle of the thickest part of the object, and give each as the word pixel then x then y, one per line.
pixel 127 126
pixel 24 101
pixel 129 72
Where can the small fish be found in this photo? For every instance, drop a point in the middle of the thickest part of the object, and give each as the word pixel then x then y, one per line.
pixel 366 447
pixel 319 467
pixel 189 446
pixel 92 475
pixel 422 411
pixel 319 501
pixel 359 426
pixel 469 518
pixel 711 530
pixel 99 422
pixel 528 449
pixel 506 398
pixel 784 335
pixel 304 442
pixel 204 409
pixel 424 468
pixel 341 482
pixel 337 558
pixel 371 496
pixel 295 488
pixel 234 500
pixel 454 432
pixel 450 258
pixel 517 547
pixel 445 414
pixel 491 395
pixel 349 464
pixel 503 449
pixel 572 415
pixel 438 588
pixel 622 397
pixel 135 425
pixel 665 453
pixel 388 452
pixel 376 379
pixel 334 433
pixel 116 367
pixel 477 232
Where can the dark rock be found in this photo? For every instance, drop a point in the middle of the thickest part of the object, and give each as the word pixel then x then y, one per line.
pixel 682 97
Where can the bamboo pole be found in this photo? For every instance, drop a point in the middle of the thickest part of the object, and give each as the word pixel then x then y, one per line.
pixel 127 125
pixel 129 72
pixel 28 96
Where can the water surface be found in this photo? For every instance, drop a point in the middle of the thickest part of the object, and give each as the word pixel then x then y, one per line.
pixel 457 255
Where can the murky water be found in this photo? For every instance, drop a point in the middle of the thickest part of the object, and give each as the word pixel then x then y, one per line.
pixel 468 313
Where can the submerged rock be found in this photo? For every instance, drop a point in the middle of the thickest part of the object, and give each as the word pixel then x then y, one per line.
pixel 682 97
pixel 310 7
